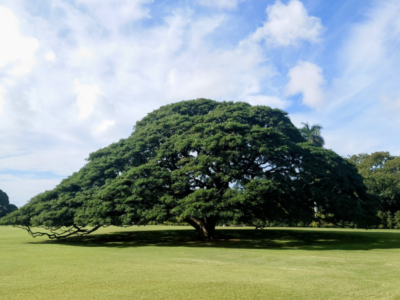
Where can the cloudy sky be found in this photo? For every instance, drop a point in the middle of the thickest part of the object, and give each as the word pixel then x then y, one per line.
pixel 75 75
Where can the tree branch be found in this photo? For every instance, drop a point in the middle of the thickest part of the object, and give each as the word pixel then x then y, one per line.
pixel 73 230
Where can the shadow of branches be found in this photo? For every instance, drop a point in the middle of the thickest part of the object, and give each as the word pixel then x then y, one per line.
pixel 249 239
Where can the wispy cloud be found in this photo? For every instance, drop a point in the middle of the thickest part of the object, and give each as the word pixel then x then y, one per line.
pixel 220 4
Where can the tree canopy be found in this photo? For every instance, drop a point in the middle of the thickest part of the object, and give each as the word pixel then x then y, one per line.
pixel 5 206
pixel 202 162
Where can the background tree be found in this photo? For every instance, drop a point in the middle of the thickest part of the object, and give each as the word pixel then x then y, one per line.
pixel 390 220
pixel 381 174
pixel 312 134
pixel 202 162
pixel 397 219
pixel 5 206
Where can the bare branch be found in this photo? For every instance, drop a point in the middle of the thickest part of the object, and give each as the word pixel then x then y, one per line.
pixel 73 230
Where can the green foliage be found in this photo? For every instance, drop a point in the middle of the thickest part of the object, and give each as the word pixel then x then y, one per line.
pixel 397 219
pixel 312 134
pixel 389 220
pixel 381 173
pixel 202 162
pixel 5 206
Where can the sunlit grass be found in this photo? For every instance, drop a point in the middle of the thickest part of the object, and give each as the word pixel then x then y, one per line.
pixel 157 262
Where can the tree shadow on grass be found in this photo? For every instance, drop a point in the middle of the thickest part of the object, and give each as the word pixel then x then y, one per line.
pixel 289 239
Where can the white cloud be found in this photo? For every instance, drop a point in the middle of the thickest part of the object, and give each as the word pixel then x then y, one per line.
pixel 273 102
pixel 112 14
pixel 2 102
pixel 306 78
pixel 86 98
pixel 105 125
pixel 220 4
pixel 84 53
pixel 50 56
pixel 8 82
pixel 288 24
pixel 16 51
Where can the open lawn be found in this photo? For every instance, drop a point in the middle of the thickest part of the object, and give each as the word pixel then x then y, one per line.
pixel 156 262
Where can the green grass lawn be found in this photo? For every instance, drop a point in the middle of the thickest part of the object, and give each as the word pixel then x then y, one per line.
pixel 156 262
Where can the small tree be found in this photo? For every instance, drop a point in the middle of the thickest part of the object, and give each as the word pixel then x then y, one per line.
pixel 312 134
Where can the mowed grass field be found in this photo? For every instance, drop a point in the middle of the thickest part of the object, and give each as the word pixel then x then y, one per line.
pixel 159 262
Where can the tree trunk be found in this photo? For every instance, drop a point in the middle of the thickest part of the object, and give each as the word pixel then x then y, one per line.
pixel 315 209
pixel 204 226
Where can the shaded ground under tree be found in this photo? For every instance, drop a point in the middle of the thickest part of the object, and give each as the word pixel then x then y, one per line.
pixel 280 239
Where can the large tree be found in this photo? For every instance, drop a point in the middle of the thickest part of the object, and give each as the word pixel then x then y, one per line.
pixel 5 206
pixel 202 162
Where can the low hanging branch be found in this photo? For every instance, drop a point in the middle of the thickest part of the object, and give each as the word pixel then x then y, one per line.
pixel 256 226
pixel 73 230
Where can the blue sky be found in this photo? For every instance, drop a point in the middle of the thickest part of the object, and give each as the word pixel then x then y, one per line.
pixel 76 75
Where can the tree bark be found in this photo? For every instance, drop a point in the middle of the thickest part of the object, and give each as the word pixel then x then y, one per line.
pixel 315 209
pixel 205 227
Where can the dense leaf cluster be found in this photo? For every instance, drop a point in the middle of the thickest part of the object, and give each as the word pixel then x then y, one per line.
pixel 202 162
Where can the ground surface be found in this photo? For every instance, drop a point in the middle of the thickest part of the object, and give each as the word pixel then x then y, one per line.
pixel 155 262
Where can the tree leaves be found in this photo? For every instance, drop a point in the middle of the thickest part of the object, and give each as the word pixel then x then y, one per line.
pixel 202 162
